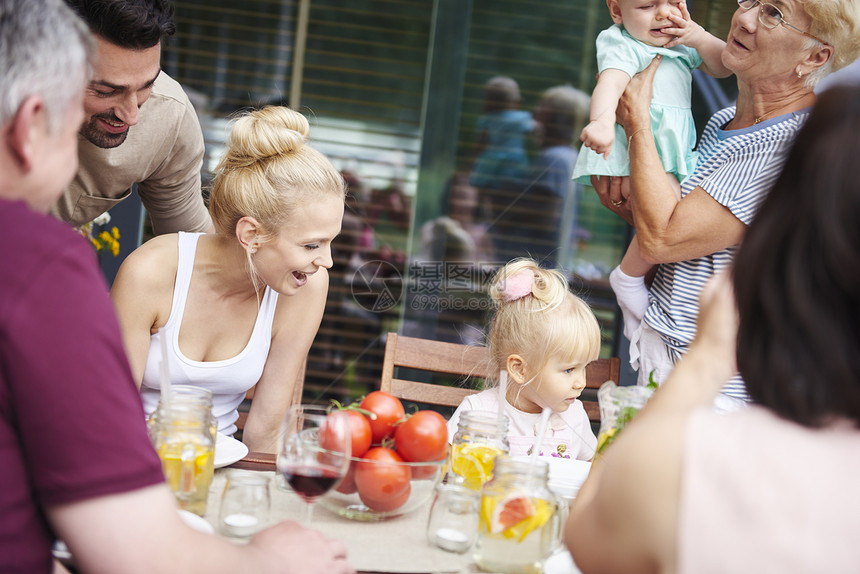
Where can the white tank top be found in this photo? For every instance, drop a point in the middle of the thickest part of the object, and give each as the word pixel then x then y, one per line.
pixel 229 379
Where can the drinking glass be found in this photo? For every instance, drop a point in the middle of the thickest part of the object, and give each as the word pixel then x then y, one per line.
pixel 314 454
pixel 244 504
pixel 453 522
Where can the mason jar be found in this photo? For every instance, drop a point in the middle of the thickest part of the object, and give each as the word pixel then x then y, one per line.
pixel 186 395
pixel 480 437
pixel 519 524
pixel 183 433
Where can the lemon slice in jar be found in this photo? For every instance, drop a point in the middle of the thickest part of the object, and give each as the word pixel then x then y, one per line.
pixel 514 516
pixel 474 462
pixel 605 439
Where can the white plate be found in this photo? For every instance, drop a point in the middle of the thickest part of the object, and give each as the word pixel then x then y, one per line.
pixel 560 563
pixel 228 450
pixel 196 522
pixel 566 475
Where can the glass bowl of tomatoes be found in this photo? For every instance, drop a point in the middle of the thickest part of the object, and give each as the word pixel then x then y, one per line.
pixel 397 460
pixel 381 485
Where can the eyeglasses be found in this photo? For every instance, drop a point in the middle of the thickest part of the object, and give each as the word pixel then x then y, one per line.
pixel 770 17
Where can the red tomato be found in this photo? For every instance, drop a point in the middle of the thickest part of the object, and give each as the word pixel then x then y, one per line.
pixel 389 503
pixel 422 437
pixel 359 426
pixel 381 476
pixel 425 472
pixel 388 410
pixel 347 485
pixel 337 424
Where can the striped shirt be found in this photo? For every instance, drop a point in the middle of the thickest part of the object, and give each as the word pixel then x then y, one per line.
pixel 737 168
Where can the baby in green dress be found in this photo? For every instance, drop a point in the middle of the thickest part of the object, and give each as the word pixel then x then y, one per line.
pixel 643 29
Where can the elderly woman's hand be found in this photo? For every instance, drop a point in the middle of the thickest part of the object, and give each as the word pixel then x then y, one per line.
pixel 613 193
pixel 633 110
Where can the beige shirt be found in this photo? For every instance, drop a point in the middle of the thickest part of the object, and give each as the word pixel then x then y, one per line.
pixel 761 494
pixel 163 154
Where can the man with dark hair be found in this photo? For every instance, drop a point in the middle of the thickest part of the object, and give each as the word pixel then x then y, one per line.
pixel 140 126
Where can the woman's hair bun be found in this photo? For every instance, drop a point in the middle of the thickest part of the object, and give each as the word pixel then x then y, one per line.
pixel 265 133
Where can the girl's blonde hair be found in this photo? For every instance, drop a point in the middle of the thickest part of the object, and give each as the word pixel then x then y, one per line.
pixel 546 321
pixel 268 171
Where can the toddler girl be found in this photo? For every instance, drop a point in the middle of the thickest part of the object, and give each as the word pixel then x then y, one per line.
pixel 643 29
pixel 542 336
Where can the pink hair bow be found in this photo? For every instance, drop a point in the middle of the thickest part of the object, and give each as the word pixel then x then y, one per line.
pixel 518 285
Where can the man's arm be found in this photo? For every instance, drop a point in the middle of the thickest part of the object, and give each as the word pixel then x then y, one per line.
pixel 172 193
pixel 141 532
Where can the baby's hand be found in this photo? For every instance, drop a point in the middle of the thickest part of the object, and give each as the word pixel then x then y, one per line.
pixel 599 136
pixel 685 31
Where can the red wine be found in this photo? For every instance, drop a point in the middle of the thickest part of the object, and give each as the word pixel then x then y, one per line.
pixel 310 482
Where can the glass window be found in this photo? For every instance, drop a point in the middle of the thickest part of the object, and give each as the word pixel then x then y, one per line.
pixel 455 123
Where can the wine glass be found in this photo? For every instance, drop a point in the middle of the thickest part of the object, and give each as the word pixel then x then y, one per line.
pixel 314 454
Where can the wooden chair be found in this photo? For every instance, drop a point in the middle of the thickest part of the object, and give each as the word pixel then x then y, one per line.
pixel 467 362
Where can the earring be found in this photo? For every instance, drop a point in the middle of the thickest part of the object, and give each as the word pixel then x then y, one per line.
pixel 799 74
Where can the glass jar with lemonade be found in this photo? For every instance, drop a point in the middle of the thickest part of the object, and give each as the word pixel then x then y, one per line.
pixel 186 394
pixel 184 438
pixel 519 523
pixel 618 406
pixel 480 437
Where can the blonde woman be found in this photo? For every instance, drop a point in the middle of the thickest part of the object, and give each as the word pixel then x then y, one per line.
pixel 240 307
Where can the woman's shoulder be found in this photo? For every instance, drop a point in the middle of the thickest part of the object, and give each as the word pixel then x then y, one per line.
pixel 153 262
pixel 159 244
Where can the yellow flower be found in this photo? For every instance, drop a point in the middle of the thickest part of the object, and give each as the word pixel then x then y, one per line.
pixel 104 239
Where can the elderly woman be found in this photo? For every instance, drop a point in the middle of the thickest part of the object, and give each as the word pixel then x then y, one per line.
pixel 769 488
pixel 778 52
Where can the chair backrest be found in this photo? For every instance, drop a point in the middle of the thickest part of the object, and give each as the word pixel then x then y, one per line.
pixel 468 362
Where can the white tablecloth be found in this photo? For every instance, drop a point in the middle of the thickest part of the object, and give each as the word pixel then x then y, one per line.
pixel 398 545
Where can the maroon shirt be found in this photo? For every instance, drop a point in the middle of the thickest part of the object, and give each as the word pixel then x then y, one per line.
pixel 71 423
